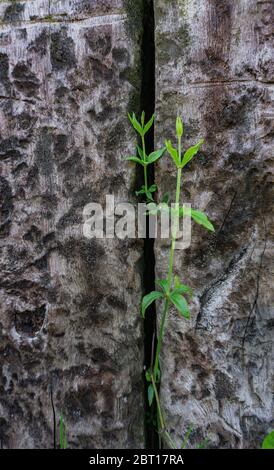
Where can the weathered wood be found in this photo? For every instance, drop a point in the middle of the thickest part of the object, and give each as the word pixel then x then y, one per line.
pixel 69 315
pixel 214 65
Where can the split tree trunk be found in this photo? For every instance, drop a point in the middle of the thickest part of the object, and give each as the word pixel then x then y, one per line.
pixel 69 315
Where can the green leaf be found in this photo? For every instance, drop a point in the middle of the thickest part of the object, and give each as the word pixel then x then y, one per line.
pixel 180 303
pixel 149 124
pixel 135 159
pixel 150 394
pixel 152 211
pixel 140 152
pixel 202 219
pixel 141 191
pixel 190 153
pixel 153 188
pixel 147 193
pixel 163 207
pixel 183 289
pixel 157 375
pixel 177 281
pixel 143 115
pixel 184 211
pixel 137 126
pixel 154 156
pixel 149 196
pixel 268 442
pixel 172 152
pixel 166 198
pixel 163 283
pixel 198 216
pixel 148 375
pixel 179 127
pixel 149 299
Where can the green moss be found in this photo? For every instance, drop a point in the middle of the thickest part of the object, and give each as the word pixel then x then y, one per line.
pixel 134 76
pixel 133 102
pixel 183 4
pixel 184 35
pixel 134 28
pixel 48 18
pixel 135 12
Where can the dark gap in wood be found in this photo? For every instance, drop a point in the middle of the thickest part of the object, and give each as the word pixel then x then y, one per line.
pixel 148 105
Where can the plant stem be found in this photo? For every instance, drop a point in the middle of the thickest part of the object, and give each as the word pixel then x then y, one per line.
pixel 160 415
pixel 167 301
pixel 171 259
pixel 144 157
pixel 161 419
pixel 189 431
pixel 175 228
pixel 160 339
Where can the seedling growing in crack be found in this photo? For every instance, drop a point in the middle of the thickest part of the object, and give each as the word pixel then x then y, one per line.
pixel 268 442
pixel 171 290
pixel 143 159
pixel 62 433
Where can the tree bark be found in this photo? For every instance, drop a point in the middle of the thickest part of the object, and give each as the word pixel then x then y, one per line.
pixel 214 66
pixel 69 318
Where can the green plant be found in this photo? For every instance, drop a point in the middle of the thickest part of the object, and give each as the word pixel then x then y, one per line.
pixel 171 290
pixel 187 436
pixel 268 442
pixel 143 159
pixel 62 434
pixel 201 445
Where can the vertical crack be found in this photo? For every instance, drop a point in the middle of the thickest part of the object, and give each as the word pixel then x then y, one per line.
pixel 53 415
pixel 148 105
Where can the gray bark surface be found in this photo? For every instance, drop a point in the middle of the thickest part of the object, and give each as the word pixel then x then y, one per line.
pixel 70 327
pixel 214 65
pixel 69 313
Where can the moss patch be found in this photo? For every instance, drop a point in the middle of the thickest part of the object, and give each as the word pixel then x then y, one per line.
pixel 184 35
pixel 135 12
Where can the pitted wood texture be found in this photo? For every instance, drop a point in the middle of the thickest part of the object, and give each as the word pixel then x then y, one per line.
pixel 214 66
pixel 69 315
